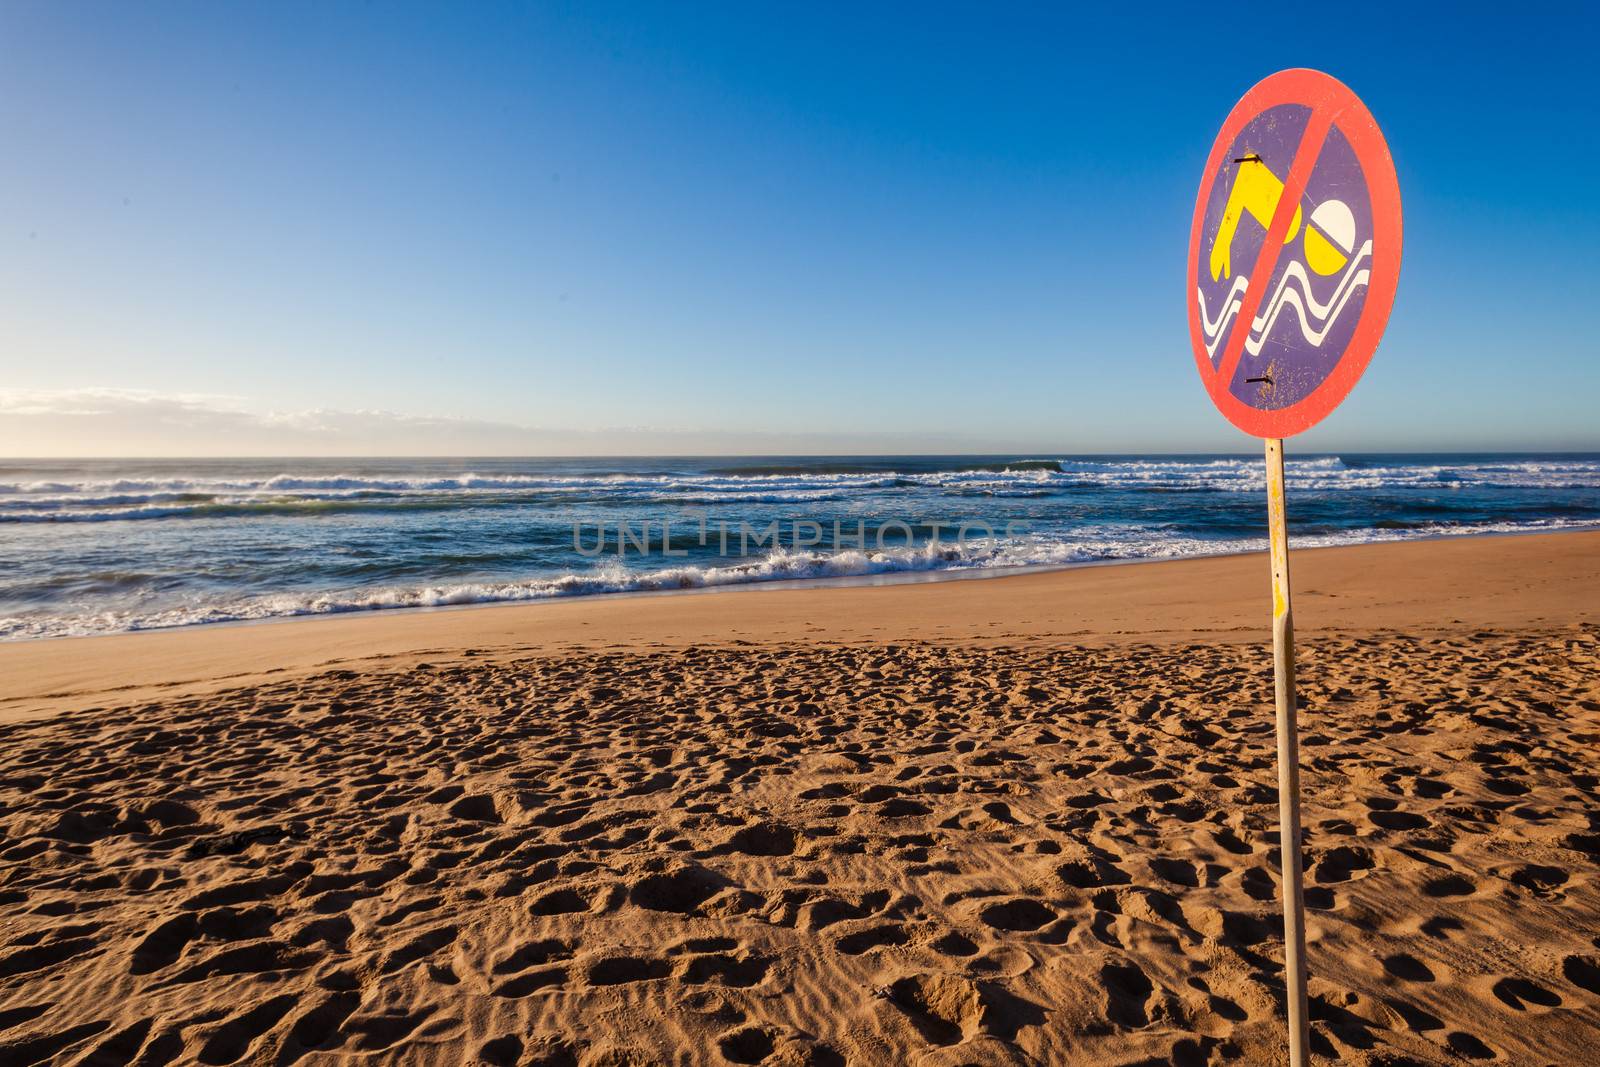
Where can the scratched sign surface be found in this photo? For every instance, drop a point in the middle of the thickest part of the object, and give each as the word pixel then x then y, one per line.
pixel 1294 254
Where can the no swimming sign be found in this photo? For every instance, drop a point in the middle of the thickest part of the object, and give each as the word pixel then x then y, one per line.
pixel 1294 253
pixel 1294 256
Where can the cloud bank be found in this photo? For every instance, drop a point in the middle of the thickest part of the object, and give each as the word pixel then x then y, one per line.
pixel 114 422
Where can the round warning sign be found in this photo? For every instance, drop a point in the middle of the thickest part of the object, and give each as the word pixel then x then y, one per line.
pixel 1294 253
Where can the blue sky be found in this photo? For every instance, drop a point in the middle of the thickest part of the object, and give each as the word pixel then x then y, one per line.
pixel 376 228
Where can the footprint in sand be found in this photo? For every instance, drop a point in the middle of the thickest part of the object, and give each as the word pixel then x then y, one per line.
pixel 740 970
pixel 946 1009
pixel 681 890
pixel 1130 994
pixel 1583 972
pixel 532 954
pixel 1176 871
pixel 1542 880
pixel 763 839
pixel 1399 820
pixel 1469 1046
pixel 1257 884
pixel 1407 968
pixel 1523 994
pixel 1449 885
pixel 1416 1019
pixel 1016 916
pixel 954 943
pixel 1341 863
pixel 531 981
pixel 1321 898
pixel 568 900
pixel 1092 873
pixel 1229 841
pixel 504 1051
pixel 751 1044
pixel 621 970
pixel 874 937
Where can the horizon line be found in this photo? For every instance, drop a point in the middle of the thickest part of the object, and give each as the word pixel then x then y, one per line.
pixel 1037 454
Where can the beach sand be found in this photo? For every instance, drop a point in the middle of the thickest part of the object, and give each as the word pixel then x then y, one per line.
pixel 1028 819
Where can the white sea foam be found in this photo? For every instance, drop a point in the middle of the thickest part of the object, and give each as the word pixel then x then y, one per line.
pixel 225 543
pixel 1113 543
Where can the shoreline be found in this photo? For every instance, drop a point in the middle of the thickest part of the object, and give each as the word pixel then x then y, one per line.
pixel 842 581
pixel 1449 584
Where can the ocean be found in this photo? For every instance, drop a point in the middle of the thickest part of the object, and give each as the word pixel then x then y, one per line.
pixel 101 546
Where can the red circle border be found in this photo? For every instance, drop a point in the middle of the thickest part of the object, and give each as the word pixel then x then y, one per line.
pixel 1319 91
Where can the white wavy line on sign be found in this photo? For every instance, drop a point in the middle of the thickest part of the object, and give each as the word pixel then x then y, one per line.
pixel 1291 297
pixel 1234 298
pixel 1300 296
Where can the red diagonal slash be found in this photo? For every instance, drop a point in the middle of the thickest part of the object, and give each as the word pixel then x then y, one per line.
pixel 1305 158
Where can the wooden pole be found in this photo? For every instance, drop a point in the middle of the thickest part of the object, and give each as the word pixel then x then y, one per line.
pixel 1294 907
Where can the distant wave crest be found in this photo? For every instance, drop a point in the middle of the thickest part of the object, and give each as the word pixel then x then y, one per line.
pixel 300 495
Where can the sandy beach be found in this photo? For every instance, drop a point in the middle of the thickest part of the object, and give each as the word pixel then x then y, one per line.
pixel 1025 819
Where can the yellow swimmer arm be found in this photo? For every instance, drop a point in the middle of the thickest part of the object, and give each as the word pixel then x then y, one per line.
pixel 1256 190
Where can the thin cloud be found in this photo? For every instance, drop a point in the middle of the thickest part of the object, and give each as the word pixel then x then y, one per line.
pixel 106 421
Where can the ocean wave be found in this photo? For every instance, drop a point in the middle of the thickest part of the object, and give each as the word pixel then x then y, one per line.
pixel 1104 544
pixel 1224 472
pixel 303 495
pixel 224 509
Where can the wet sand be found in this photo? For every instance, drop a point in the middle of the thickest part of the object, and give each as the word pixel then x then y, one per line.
pixel 1018 820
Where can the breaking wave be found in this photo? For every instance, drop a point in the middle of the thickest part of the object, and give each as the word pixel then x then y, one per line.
pixel 1113 544
pixel 101 546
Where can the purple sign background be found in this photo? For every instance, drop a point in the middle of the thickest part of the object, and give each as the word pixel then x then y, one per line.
pixel 1313 301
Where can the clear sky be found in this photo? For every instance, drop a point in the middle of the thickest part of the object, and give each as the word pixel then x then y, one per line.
pixel 373 228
